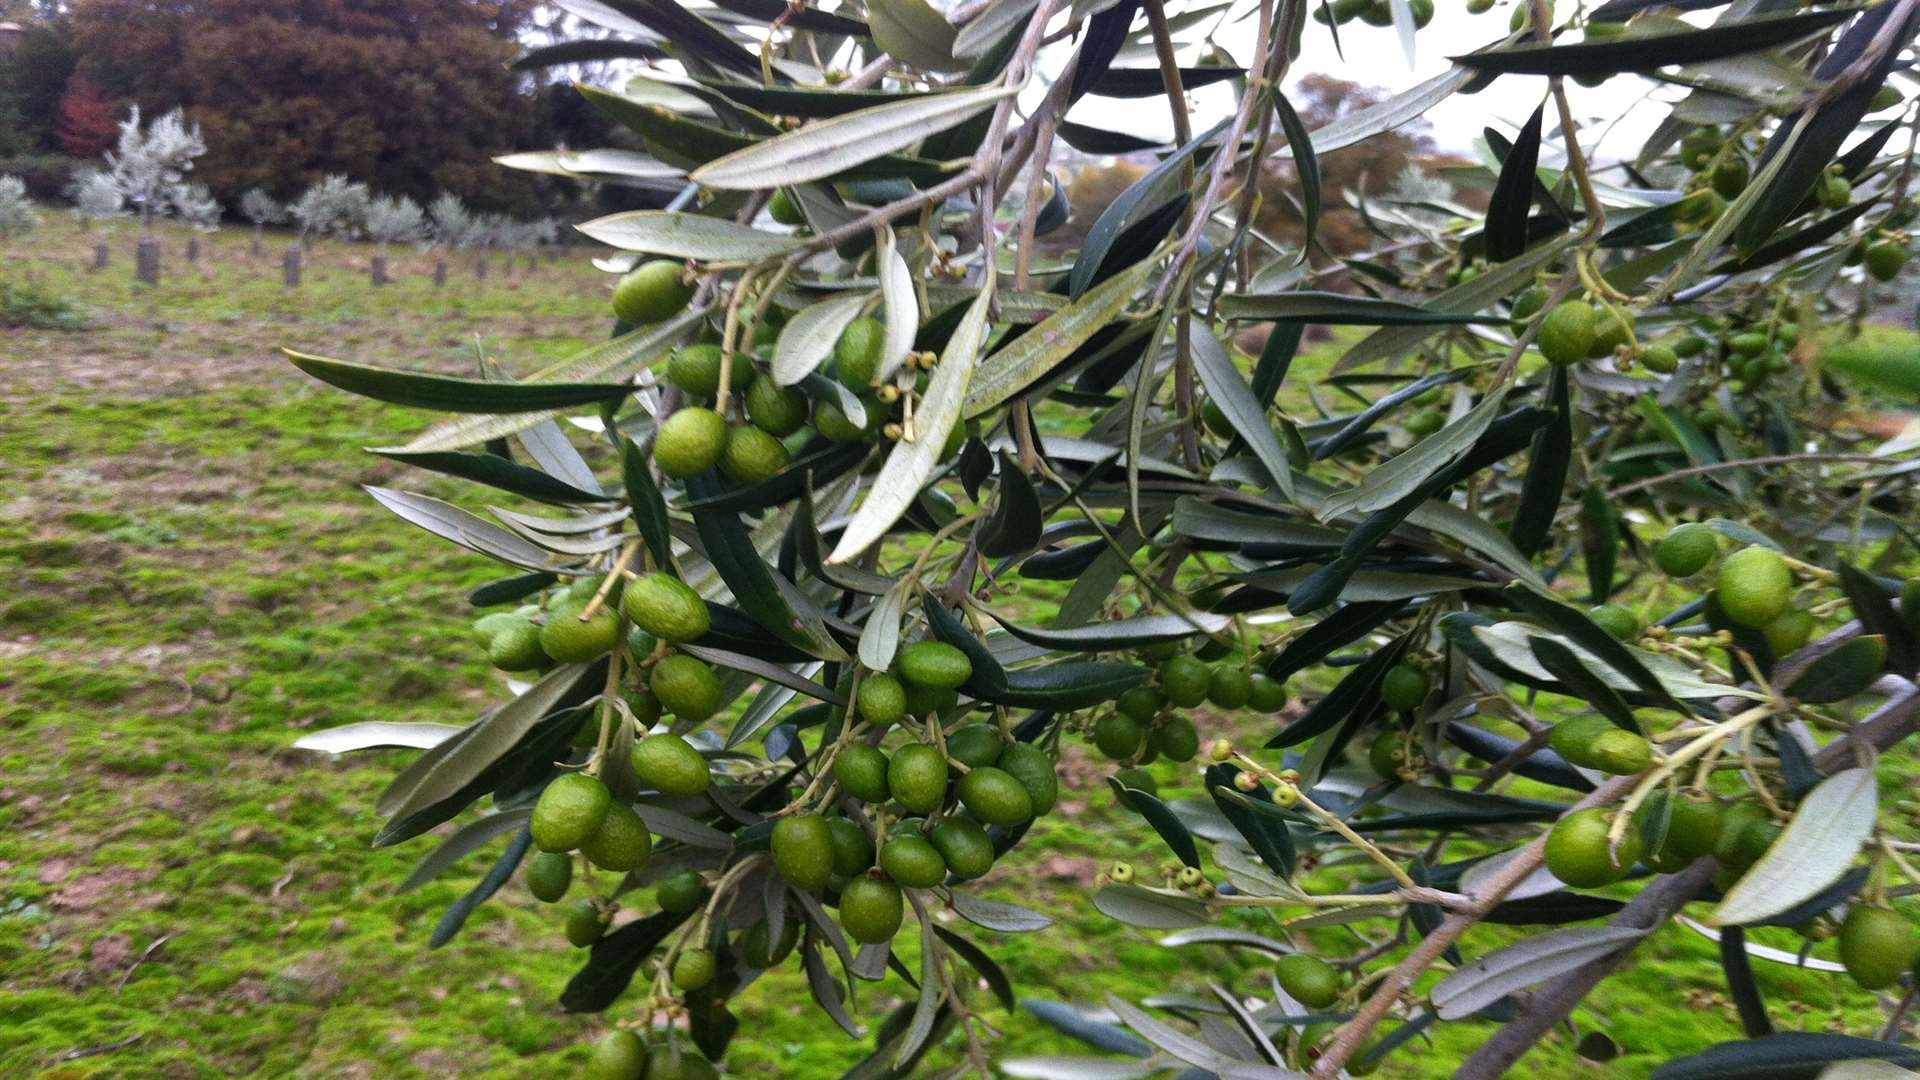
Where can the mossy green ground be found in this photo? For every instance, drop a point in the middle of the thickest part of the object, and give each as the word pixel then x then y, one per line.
pixel 194 580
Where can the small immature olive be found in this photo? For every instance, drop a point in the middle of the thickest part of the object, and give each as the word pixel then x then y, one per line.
pixel 1834 192
pixel 1308 979
pixel 1693 824
pixel 1620 753
pixel 1190 877
pixel 862 771
pixel 1285 795
pixel 1573 738
pixel 803 850
pixel 1660 359
pixel 1699 145
pixel 751 455
pixel 617 1055
pixel 694 969
pixel 1117 735
pixel 1876 945
pixel 857 353
pixel 1528 304
pixel 1754 586
pixel 928 700
pixel 1730 176
pixel 1229 687
pixel 666 607
pixel 1221 750
pixel 570 641
pixel 517 647
pixel 1727 847
pixel 1266 695
pixel 695 369
pixel 935 664
pixel 913 861
pixel 777 410
pixel 1138 779
pixel 1885 259
pixel 996 798
pixel 1121 873
pixel 1611 330
pixel 1686 549
pixel 881 700
pixel 680 1065
pixel 1618 621
pixel 1141 704
pixel 1176 739
pixel 1568 332
pixel 670 765
pixel 829 421
pixel 1578 852
pixel 759 950
pixel 853 850
pixel 569 811
pixel 1747 343
pixel 871 910
pixel 690 442
pixel 622 841
pixel 686 687
pixel 784 209
pixel 974 745
pixel 584 925
pixel 1185 681
pixel 1033 767
pixel 486 626
pixel 1404 688
pixel 1788 631
pixel 917 776
pixel 964 846
pixel 549 873
pixel 1387 755
pixel 681 893
pixel 652 292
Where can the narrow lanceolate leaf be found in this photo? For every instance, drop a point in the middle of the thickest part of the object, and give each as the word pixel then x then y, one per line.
pixel 1389 114
pixel 1789 1055
pixel 912 31
pixel 1646 52
pixel 612 359
pixel 1162 818
pixel 1818 846
pixel 911 464
pixel 1340 309
pixel 1497 974
pixel 500 473
pixel 1038 351
pixel 1513 193
pixel 1413 466
pixel 880 638
pixel 1469 296
pixel 809 337
pixel 687 236
pixel 470 838
pixel 647 505
pixel 1235 399
pixel 1187 1048
pixel 424 390
pixel 1014 527
pixel 372 734
pixel 899 304
pixel 489 739
pixel 1120 634
pixel 1136 203
pixel 1305 164
pixel 829 147
pixel 449 522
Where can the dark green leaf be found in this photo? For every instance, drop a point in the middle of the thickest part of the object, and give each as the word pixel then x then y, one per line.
pixel 1068 686
pixel 1268 837
pixel 997 914
pixel 1229 392
pixel 423 390
pixel 614 960
pixel 1067 1020
pixel 805 18
pixel 1873 606
pixel 1014 526
pixel 1306 166
pixel 1149 82
pixel 1793 1055
pixel 1161 817
pixel 497 472
pixel 1599 541
pixel 760 590
pixel 1740 982
pixel 1276 356
pixel 1547 464
pixel 586 51
pixel 507 590
pixel 818 466
pixel 1841 672
pixel 1139 200
pixel 981 961
pixel 1506 228
pixel 502 872
pixel 1338 630
pixel 1647 52
pixel 1120 634
pixel 692 34
pixel 1105 35
pixel 1357 693
pixel 1338 309
pixel 989 679
pixel 649 507
pixel 1135 906
pixel 1565 665
pixel 1562 619
pixel 1093 140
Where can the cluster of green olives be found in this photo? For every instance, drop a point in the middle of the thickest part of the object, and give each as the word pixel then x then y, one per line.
pixel 1372 12
pixel 774 418
pixel 1145 725
pixel 622 1055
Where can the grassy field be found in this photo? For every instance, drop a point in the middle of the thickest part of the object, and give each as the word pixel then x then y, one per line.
pixel 194 580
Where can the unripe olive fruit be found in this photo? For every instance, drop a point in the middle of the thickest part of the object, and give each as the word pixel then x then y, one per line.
pixel 517 647
pixel 695 369
pixel 1567 334
pixel 1138 779
pixel 759 950
pixel 665 607
pixel 1876 945
pixel 964 846
pixel 1753 586
pixel 1611 329
pixel 1176 739
pixel 1693 824
pixel 995 797
pixel 935 664
pixel 1686 549
pixel 775 409
pixel 549 873
pixel 853 850
pixel 686 1066
pixel 1788 631
pixel 1404 687
pixel 617 1055
pixel 917 776
pixel 694 969
pixel 622 841
pixel 751 455
pixel 927 700
pixel 913 861
pixel 690 442
pixel 862 772
pixel 1140 704
pixel 1308 979
pixel 974 745
pixel 1266 695
pixel 1229 687
pixel 1618 621
pixel 784 209
pixel 652 292
pixel 584 925
pixel 871 910
pixel 1185 681
pixel 857 353
pixel 880 700
pixel 1117 735
pixel 686 686
pixel 1033 768
pixel 1885 259
pixel 569 640
pixel 670 765
pixel 803 850
pixel 1579 854
pixel 681 893
pixel 1730 176
pixel 834 424
pixel 568 811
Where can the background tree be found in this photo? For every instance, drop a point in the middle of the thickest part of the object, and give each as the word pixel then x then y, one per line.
pixel 405 95
pixel 17 215
pixel 97 198
pixel 336 206
pixel 149 165
pixel 195 205
pixel 87 125
pixel 262 210
pixel 451 226
pixel 393 220
pixel 33 79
